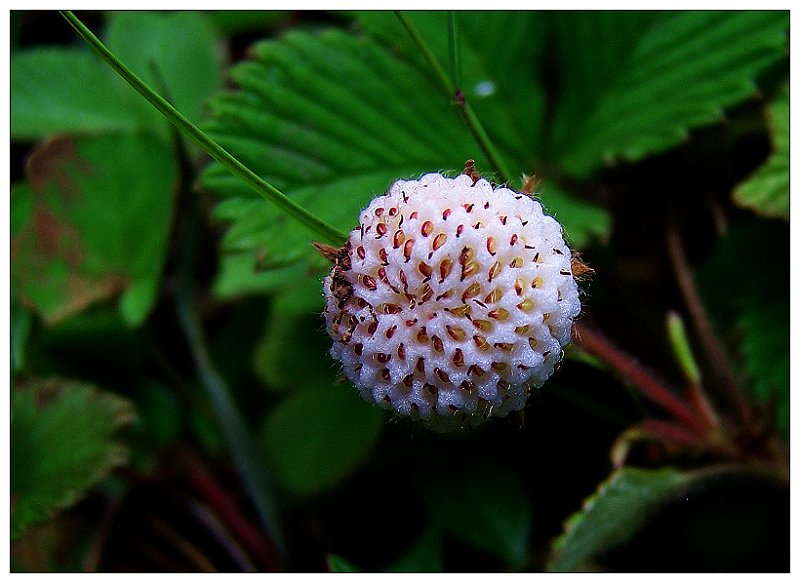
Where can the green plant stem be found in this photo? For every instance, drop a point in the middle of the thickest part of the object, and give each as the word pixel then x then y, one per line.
pixel 317 226
pixel 240 443
pixel 452 92
pixel 683 354
pixel 455 56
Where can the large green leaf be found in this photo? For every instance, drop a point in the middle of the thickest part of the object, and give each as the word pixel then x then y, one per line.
pixel 233 22
pixel 593 47
pixel 483 504
pixel 499 65
pixel 173 52
pixel 332 120
pixel 316 437
pixel 614 513
pixel 98 217
pixel 70 90
pixel 62 443
pixel 767 190
pixel 683 71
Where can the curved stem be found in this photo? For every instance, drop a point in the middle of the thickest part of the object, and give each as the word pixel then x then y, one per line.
pixel 703 328
pixel 452 92
pixel 598 345
pixel 261 186
pixel 240 443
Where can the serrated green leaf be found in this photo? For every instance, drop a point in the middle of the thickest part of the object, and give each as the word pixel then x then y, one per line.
pixel 333 137
pixel 426 555
pixel 70 90
pixel 316 437
pixel 484 505
pixel 614 513
pixel 61 445
pixel 685 69
pixel 766 192
pixel 173 52
pixel 593 47
pixel 500 63
pixel 99 224
pixel 330 137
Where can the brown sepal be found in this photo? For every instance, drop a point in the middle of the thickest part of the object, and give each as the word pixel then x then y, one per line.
pixel 530 184
pixel 469 170
pixel 333 254
pixel 580 270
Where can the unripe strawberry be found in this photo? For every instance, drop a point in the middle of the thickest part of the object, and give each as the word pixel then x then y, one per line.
pixel 450 299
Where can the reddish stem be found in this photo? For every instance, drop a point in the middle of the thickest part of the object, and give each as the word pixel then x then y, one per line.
pixel 598 345
pixel 669 432
pixel 251 538
pixel 702 325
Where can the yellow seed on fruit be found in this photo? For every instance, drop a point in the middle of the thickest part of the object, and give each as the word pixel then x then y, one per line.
pixel 526 305
pixel 499 314
pixel 480 342
pixel 495 270
pixel 398 239
pixel 456 334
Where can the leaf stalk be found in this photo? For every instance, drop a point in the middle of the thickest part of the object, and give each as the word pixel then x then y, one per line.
pixel 598 345
pixel 702 325
pixel 459 100
pixel 216 151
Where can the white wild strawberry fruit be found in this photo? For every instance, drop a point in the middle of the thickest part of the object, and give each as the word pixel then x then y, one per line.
pixel 450 299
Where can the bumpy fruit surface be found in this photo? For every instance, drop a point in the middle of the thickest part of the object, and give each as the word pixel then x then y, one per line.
pixel 450 299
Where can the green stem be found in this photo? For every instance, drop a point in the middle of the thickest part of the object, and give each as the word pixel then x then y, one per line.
pixel 455 57
pixel 262 187
pixel 467 115
pixel 240 443
pixel 250 463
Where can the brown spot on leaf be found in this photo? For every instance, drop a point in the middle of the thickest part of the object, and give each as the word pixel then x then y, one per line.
pixel 48 162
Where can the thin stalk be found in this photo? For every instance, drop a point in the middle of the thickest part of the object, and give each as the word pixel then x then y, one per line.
pixel 453 92
pixel 595 343
pixel 683 354
pixel 455 48
pixel 245 532
pixel 444 80
pixel 240 443
pixel 248 461
pixel 702 324
pixel 261 186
